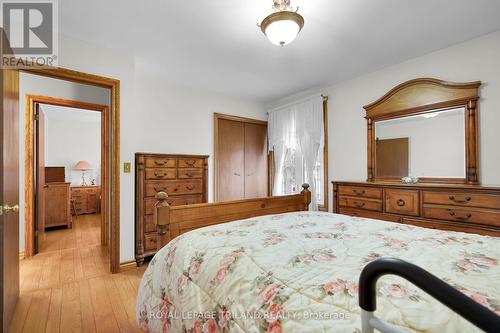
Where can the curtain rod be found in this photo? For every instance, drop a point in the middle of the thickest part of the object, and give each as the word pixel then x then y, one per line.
pixel 305 99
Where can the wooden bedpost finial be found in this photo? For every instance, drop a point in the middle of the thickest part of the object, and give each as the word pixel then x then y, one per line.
pixel 307 196
pixel 161 196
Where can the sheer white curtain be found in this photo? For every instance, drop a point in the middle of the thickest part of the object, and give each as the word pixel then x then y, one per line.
pixel 296 136
pixel 281 128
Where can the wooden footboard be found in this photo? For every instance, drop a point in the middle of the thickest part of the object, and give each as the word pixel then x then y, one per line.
pixel 174 221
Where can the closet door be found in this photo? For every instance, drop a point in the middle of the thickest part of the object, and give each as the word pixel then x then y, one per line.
pixel 256 163
pixel 230 160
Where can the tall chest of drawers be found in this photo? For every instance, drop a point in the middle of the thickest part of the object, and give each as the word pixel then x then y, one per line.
pixel 183 177
pixel 467 208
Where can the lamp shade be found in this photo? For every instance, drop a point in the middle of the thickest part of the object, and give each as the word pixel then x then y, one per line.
pixel 82 166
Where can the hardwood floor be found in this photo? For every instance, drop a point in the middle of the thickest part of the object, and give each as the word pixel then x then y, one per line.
pixel 86 232
pixel 68 287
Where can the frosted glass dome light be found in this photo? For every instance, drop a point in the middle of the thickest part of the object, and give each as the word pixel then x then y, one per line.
pixel 281 28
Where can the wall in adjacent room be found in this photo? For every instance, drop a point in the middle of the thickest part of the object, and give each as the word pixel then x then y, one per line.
pixel 477 59
pixel 73 135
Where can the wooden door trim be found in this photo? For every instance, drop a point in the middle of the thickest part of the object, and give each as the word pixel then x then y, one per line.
pixel 113 128
pixel 221 116
pixel 326 193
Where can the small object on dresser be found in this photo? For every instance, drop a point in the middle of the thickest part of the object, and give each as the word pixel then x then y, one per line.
pixel 409 180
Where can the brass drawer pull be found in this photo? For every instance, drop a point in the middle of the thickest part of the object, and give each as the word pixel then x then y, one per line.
pixel 467 199
pixel 359 205
pixel 401 203
pixel 358 192
pixel 190 187
pixel 190 162
pixel 189 174
pixel 237 174
pixel 462 218
pixel 161 175
pixel 160 163
pixel 159 189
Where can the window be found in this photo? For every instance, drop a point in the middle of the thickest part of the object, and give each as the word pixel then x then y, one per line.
pixel 294 133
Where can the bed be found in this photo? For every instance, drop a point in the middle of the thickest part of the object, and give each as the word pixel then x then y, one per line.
pixel 299 271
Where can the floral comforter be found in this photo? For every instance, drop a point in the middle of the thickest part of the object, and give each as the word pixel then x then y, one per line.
pixel 298 272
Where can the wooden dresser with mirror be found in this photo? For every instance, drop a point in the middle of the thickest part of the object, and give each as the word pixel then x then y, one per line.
pixel 428 129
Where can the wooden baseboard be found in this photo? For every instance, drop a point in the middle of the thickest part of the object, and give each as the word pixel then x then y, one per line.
pixel 21 255
pixel 128 265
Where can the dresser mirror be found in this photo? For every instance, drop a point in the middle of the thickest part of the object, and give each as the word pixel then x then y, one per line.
pixel 424 128
pixel 427 145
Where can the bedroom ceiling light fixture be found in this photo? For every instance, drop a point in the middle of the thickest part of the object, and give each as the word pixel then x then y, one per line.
pixel 282 26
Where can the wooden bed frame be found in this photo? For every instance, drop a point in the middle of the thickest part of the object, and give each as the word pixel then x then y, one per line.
pixel 174 221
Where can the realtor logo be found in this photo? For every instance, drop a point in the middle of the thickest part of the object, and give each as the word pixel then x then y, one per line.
pixel 29 33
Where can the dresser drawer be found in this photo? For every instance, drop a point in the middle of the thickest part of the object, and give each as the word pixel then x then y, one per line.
pixel 462 199
pixel 150 242
pixel 80 204
pixel 369 214
pixel 459 214
pixel 149 203
pixel 77 196
pixel 359 191
pixel 190 173
pixel 173 187
pixel 160 162
pixel 190 163
pixel 360 203
pixel 161 173
pixel 403 202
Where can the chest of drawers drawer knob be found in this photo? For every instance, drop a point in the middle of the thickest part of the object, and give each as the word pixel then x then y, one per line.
pixel 359 204
pixel 190 187
pixel 160 163
pixel 466 200
pixel 359 192
pixel 401 203
pixel 461 218
pixel 190 162
pixel 162 174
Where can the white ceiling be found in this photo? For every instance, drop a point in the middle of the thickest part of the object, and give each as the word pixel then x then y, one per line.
pixel 66 114
pixel 216 45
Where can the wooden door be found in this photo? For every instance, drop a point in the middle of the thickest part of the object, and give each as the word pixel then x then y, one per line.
pixel 39 233
pixel 256 161
pixel 392 158
pixel 230 160
pixel 9 195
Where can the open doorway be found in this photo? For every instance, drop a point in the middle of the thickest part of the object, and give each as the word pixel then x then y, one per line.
pixel 69 163
pixel 68 157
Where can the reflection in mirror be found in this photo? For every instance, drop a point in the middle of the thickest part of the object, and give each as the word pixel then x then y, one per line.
pixel 429 145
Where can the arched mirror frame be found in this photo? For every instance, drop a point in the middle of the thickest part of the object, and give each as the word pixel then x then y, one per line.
pixel 427 95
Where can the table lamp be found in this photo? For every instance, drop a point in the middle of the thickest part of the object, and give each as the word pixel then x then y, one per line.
pixel 82 166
